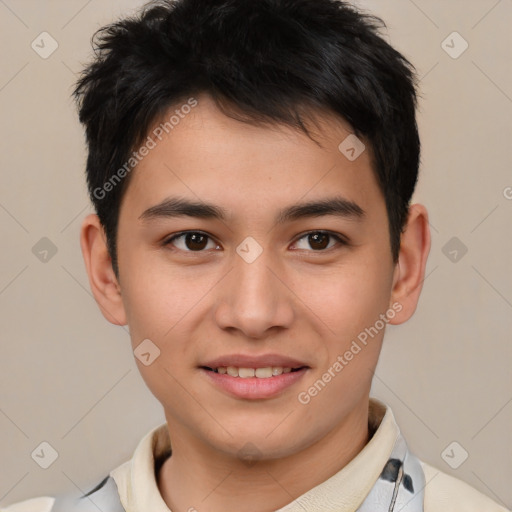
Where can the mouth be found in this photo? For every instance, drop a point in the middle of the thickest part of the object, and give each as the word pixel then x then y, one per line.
pixel 260 372
pixel 255 379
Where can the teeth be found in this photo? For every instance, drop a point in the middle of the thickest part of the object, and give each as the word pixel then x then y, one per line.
pixel 264 373
pixel 245 373
pixel 231 370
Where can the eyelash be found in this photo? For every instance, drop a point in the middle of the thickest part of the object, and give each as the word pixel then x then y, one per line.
pixel 342 241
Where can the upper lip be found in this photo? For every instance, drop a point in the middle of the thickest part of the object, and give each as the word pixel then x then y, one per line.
pixel 246 361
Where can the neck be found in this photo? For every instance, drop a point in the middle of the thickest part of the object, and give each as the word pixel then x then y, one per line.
pixel 198 477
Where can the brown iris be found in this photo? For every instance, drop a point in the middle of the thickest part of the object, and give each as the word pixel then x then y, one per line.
pixel 196 241
pixel 318 240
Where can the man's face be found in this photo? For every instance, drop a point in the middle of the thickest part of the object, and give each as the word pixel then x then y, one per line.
pixel 277 290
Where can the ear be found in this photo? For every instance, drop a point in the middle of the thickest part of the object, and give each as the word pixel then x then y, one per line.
pixel 410 269
pixel 102 279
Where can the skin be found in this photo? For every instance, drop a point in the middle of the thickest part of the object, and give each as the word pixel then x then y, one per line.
pixel 292 300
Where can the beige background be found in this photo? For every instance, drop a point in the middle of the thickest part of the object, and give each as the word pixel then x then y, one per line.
pixel 68 377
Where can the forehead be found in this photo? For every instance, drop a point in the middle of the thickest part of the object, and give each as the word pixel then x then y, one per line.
pixel 200 152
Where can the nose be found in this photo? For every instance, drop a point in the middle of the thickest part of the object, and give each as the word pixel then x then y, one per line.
pixel 254 298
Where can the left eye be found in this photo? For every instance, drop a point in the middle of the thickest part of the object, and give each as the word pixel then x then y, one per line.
pixel 192 241
pixel 319 240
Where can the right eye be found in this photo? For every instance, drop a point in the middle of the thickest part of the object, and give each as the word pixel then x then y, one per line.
pixel 191 241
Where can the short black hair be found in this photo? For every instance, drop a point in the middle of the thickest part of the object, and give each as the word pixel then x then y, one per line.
pixel 262 61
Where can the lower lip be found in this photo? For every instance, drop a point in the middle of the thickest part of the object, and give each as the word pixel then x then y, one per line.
pixel 254 388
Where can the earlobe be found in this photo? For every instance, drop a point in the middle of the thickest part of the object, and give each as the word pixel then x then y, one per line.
pixel 102 279
pixel 410 269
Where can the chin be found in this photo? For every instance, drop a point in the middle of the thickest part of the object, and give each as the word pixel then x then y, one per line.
pixel 258 442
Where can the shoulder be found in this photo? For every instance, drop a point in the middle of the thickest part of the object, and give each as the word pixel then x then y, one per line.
pixel 445 493
pixel 103 496
pixel 42 504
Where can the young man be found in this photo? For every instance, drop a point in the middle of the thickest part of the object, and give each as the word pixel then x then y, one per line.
pixel 252 166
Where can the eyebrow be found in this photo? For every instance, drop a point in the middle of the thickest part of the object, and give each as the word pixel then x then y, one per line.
pixel 179 207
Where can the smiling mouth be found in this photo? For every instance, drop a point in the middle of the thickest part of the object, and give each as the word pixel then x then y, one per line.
pixel 246 373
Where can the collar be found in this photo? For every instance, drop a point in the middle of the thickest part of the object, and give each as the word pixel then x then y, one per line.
pixel 379 477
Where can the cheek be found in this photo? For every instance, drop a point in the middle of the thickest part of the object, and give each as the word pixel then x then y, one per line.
pixel 156 296
pixel 164 305
pixel 158 306
pixel 352 297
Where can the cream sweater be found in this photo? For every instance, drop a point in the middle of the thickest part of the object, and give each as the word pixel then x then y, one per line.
pixel 343 492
